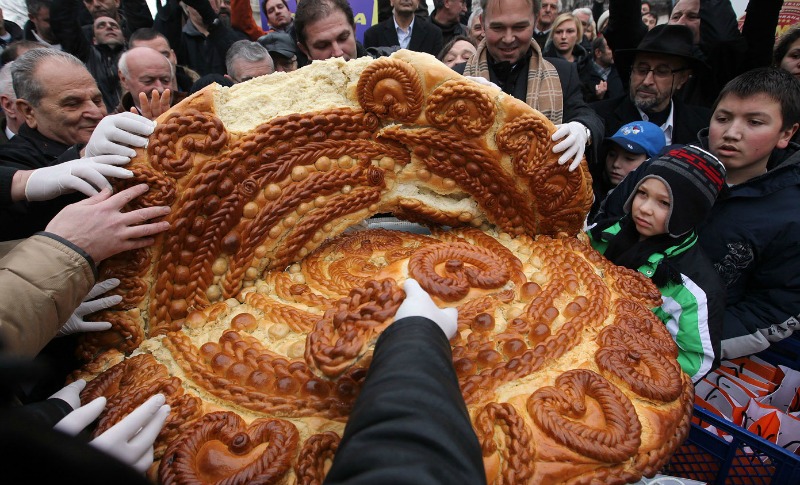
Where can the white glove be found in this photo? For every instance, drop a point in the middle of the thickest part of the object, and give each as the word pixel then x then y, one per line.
pixel 483 81
pixel 71 394
pixel 419 304
pixel 131 440
pixel 116 134
pixel 573 145
pixel 87 175
pixel 74 422
pixel 76 322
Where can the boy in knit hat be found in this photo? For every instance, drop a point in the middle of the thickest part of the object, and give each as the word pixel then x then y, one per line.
pixel 752 235
pixel 656 237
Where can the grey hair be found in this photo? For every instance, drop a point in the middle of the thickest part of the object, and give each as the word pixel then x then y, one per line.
pixel 26 85
pixel 122 63
pixel 6 85
pixel 247 50
pixel 473 16
pixel 536 5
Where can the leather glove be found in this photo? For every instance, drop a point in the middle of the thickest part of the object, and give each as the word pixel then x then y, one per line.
pixel 419 304
pixel 86 175
pixel 131 440
pixel 76 323
pixel 71 394
pixel 573 145
pixel 116 134
pixel 483 81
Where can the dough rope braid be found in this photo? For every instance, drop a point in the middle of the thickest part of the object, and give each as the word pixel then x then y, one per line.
pixel 318 450
pixel 559 409
pixel 256 314
pixel 191 459
pixel 517 457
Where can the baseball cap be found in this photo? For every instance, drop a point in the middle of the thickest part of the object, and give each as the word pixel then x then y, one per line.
pixel 640 137
pixel 279 43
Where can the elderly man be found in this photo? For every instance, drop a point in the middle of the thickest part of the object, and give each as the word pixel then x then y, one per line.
pixel 661 65
pixel 447 16
pixel 143 71
pixel 403 30
pixel 184 77
pixel 544 20
pixel 246 60
pixel 512 60
pixel 8 100
pixel 62 109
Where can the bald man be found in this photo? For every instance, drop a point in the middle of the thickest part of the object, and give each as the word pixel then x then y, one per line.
pixel 144 70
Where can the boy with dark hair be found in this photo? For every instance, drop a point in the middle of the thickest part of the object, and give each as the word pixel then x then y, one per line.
pixel 752 235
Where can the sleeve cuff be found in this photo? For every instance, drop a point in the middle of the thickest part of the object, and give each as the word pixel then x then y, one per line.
pixel 75 248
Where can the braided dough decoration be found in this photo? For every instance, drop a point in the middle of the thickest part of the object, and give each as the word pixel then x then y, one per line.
pixel 258 324
pixel 567 375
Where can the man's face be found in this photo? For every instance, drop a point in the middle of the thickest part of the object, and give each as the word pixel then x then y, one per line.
pixel 651 91
pixel 283 63
pixel 743 133
pixel 687 12
pixel 244 70
pixel 278 16
pixel 476 30
pixel 160 44
pixel 604 57
pixel 102 8
pixel 107 32
pixel 547 14
pixel 509 28
pixel 455 8
pixel 404 6
pixel 332 36
pixel 147 70
pixel 42 23
pixel 71 107
pixel 565 36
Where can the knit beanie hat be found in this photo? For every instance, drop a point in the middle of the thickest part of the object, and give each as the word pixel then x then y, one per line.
pixel 693 178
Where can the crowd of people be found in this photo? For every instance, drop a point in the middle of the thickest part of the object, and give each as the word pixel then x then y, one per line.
pixel 689 128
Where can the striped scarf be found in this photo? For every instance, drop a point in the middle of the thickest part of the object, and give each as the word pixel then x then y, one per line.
pixel 544 88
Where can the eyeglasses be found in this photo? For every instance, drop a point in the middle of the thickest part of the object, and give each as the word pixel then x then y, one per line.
pixel 659 72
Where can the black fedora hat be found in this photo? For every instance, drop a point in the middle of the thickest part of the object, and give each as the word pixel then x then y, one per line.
pixel 668 40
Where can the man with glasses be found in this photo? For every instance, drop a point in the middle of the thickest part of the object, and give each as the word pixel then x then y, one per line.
pixel 660 65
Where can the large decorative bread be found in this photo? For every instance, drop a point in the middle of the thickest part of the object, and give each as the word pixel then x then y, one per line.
pixel 258 323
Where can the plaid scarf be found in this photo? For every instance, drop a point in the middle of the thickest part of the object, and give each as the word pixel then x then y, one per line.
pixel 544 87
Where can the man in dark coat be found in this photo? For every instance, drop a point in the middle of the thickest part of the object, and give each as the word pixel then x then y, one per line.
pixel 417 34
pixel 662 64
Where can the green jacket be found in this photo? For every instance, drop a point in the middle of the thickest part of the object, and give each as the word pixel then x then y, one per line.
pixel 693 309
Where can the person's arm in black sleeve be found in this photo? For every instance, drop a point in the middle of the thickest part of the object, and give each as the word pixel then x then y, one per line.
pixel 598 7
pixel 625 30
pixel 169 22
pixel 759 32
pixel 576 109
pixel 137 14
pixel 409 424
pixel 67 28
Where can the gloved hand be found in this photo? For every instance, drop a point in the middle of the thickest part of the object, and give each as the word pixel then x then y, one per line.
pixel 116 134
pixel 419 304
pixel 87 175
pixel 131 440
pixel 483 81
pixel 71 394
pixel 76 323
pixel 74 422
pixel 573 144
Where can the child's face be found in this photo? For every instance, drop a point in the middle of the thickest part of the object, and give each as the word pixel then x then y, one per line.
pixel 650 208
pixel 620 162
pixel 743 133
